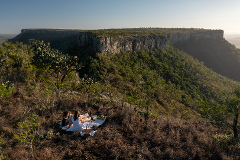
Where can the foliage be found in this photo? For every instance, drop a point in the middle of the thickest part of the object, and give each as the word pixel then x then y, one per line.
pixel 45 99
pixel 2 152
pixel 133 31
pixel 13 59
pixel 167 81
pixel 226 140
pixel 168 77
pixel 26 137
pixel 218 54
pixel 45 57
pixel 224 111
pixel 144 31
pixel 6 89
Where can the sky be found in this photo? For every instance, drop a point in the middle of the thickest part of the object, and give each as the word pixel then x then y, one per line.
pixel 103 14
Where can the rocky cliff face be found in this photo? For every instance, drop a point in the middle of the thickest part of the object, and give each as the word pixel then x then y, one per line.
pixel 115 45
pixel 136 43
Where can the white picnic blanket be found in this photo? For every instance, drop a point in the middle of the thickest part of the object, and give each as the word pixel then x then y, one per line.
pixel 87 125
pixel 96 122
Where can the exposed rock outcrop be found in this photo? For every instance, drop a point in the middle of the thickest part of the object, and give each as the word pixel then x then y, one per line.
pixel 136 43
pixel 115 45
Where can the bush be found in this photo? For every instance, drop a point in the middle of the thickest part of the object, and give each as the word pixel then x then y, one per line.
pixel 226 140
pixel 60 64
pixel 6 89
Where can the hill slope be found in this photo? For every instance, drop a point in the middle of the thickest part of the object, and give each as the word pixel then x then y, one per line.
pixel 168 82
pixel 219 55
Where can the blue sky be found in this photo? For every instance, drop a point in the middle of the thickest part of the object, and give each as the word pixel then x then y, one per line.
pixel 99 14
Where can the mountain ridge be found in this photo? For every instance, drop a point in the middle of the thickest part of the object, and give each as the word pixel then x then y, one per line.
pixel 116 40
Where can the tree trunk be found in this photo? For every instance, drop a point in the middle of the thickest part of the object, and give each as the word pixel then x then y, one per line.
pixel 235 129
pixel 63 78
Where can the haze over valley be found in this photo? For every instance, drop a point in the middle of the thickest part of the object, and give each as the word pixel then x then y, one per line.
pixel 234 39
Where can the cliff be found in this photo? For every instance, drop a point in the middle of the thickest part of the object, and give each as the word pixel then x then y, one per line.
pixel 116 40
pixel 115 45
pixel 135 43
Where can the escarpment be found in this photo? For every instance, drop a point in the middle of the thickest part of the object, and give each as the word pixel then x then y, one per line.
pixel 117 40
pixel 115 45
pixel 136 43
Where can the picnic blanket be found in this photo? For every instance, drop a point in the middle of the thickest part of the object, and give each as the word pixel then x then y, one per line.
pixel 87 126
pixel 95 123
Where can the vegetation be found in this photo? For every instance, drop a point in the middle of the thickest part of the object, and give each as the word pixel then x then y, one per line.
pixel 60 64
pixel 133 31
pixel 144 31
pixel 219 55
pixel 149 99
pixel 163 76
pixel 224 111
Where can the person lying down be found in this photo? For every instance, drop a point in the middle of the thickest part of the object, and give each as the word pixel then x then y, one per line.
pixel 66 121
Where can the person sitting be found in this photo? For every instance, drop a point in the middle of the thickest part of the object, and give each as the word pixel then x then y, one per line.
pixel 77 121
pixel 66 119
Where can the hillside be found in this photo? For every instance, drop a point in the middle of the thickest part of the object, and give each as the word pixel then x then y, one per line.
pixel 148 97
pixel 219 55
pixel 124 135
pixel 59 39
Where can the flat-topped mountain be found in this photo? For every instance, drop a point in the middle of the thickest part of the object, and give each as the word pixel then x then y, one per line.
pixel 116 40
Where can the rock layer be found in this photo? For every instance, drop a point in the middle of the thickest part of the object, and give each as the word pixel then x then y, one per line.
pixel 116 45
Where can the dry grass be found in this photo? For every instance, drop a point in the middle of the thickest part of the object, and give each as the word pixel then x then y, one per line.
pixel 124 135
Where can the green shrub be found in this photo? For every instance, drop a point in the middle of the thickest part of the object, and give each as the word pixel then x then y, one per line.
pixel 2 144
pixel 227 140
pixel 13 59
pixel 6 89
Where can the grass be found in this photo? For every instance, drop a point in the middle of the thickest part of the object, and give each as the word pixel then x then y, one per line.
pixel 124 135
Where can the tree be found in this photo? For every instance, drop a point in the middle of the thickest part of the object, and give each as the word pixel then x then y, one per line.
pixel 13 59
pixel 45 57
pixel 225 113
